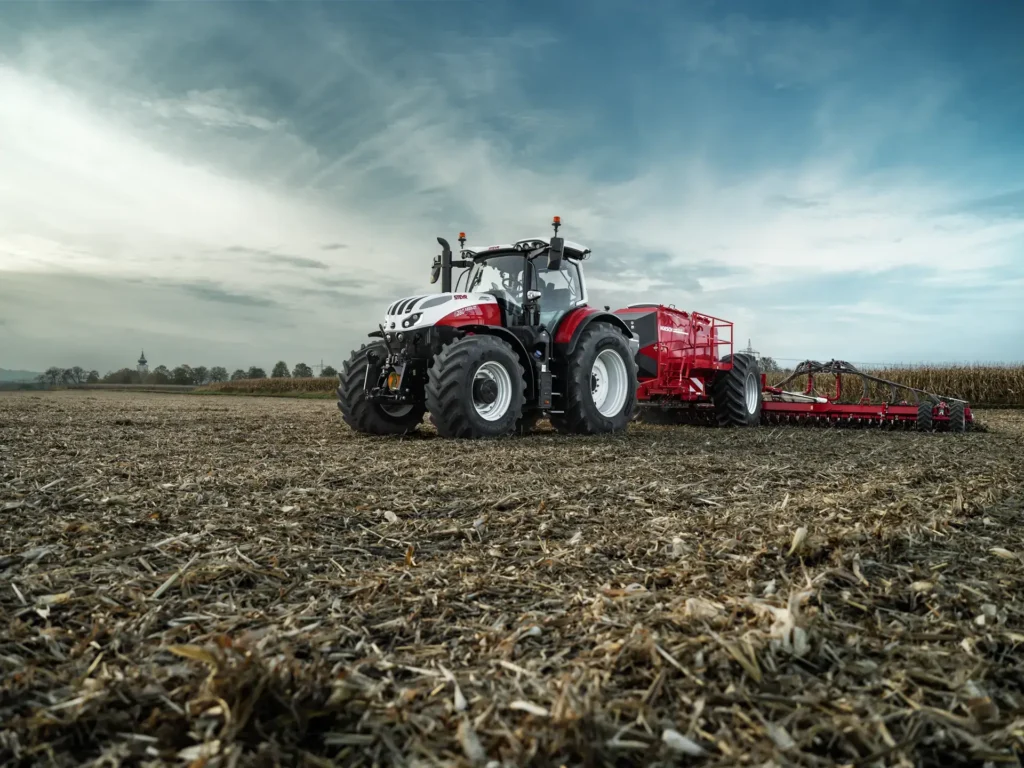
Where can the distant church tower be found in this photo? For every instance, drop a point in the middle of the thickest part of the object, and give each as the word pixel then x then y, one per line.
pixel 143 364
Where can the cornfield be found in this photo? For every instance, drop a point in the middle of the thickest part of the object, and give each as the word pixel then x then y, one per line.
pixel 979 385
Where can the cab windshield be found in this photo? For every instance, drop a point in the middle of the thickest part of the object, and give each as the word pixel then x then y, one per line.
pixel 501 275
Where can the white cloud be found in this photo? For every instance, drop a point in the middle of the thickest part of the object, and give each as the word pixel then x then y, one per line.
pixel 87 189
pixel 219 108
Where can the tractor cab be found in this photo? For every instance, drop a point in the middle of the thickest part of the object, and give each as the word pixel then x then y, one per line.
pixel 532 287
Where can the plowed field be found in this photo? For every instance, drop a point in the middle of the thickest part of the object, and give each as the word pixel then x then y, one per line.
pixel 243 581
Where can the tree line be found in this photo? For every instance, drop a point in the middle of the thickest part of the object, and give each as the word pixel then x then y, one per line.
pixel 184 375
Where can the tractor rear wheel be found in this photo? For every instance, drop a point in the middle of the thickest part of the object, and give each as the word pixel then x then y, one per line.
pixel 736 393
pixel 476 388
pixel 601 384
pixel 356 408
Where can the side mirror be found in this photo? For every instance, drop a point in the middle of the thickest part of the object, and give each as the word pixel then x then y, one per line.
pixel 532 295
pixel 555 254
pixel 435 270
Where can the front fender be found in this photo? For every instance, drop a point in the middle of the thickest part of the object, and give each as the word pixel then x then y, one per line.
pixel 572 326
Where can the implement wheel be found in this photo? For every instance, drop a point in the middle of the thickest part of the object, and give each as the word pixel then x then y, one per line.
pixel 924 417
pixel 476 388
pixel 957 418
pixel 356 408
pixel 736 393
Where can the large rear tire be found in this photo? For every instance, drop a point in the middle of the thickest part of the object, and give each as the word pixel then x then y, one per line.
pixel 476 388
pixel 356 408
pixel 600 384
pixel 736 393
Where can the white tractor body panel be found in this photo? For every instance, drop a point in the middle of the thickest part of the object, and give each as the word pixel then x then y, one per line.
pixel 401 315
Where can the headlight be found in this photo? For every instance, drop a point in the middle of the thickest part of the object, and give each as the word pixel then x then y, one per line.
pixel 411 320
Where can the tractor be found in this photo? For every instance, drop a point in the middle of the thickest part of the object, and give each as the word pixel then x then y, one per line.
pixel 514 341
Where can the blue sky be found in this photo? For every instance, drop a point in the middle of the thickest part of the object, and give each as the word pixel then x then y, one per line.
pixel 235 183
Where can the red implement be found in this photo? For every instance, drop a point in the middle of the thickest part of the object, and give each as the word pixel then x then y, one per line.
pixel 688 371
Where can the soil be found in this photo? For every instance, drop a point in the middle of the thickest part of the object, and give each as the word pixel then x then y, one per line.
pixel 244 581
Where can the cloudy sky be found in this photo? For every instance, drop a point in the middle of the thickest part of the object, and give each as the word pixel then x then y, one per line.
pixel 237 183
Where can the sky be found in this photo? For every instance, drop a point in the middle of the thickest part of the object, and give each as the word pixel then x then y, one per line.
pixel 237 183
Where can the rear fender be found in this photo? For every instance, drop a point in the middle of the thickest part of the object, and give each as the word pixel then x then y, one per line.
pixel 572 326
pixel 524 357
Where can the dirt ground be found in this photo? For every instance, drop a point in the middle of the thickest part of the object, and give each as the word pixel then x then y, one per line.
pixel 243 581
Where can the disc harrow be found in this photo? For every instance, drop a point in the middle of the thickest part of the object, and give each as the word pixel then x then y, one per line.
pixel 905 407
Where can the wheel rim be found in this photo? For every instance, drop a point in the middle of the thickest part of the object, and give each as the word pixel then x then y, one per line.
pixel 750 391
pixel 609 383
pixel 396 411
pixel 495 372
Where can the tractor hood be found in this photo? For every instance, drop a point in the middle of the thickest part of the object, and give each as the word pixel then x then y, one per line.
pixel 426 310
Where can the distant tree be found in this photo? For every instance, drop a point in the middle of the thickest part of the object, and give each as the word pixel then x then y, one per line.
pixel 93 377
pixel 302 371
pixel 123 376
pixel 280 370
pixel 183 374
pixel 200 375
pixel 239 374
pixel 328 371
pixel 160 375
pixel 218 373
pixel 76 375
pixel 768 365
pixel 256 373
pixel 54 375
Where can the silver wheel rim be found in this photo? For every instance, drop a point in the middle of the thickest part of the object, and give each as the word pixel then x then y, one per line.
pixel 396 411
pixel 609 383
pixel 496 372
pixel 751 391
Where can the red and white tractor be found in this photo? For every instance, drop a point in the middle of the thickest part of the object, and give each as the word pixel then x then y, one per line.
pixel 515 341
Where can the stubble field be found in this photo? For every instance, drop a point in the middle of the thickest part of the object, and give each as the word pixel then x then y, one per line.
pixel 241 581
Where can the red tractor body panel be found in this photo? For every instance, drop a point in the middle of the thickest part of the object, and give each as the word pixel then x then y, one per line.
pixel 571 322
pixel 476 314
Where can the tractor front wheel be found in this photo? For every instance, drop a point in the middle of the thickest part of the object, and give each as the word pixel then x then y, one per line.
pixel 601 384
pixel 359 412
pixel 736 393
pixel 476 388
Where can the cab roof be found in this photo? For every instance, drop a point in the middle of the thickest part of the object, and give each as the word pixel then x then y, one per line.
pixel 572 250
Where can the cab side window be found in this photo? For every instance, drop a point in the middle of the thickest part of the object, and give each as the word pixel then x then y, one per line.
pixel 560 289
